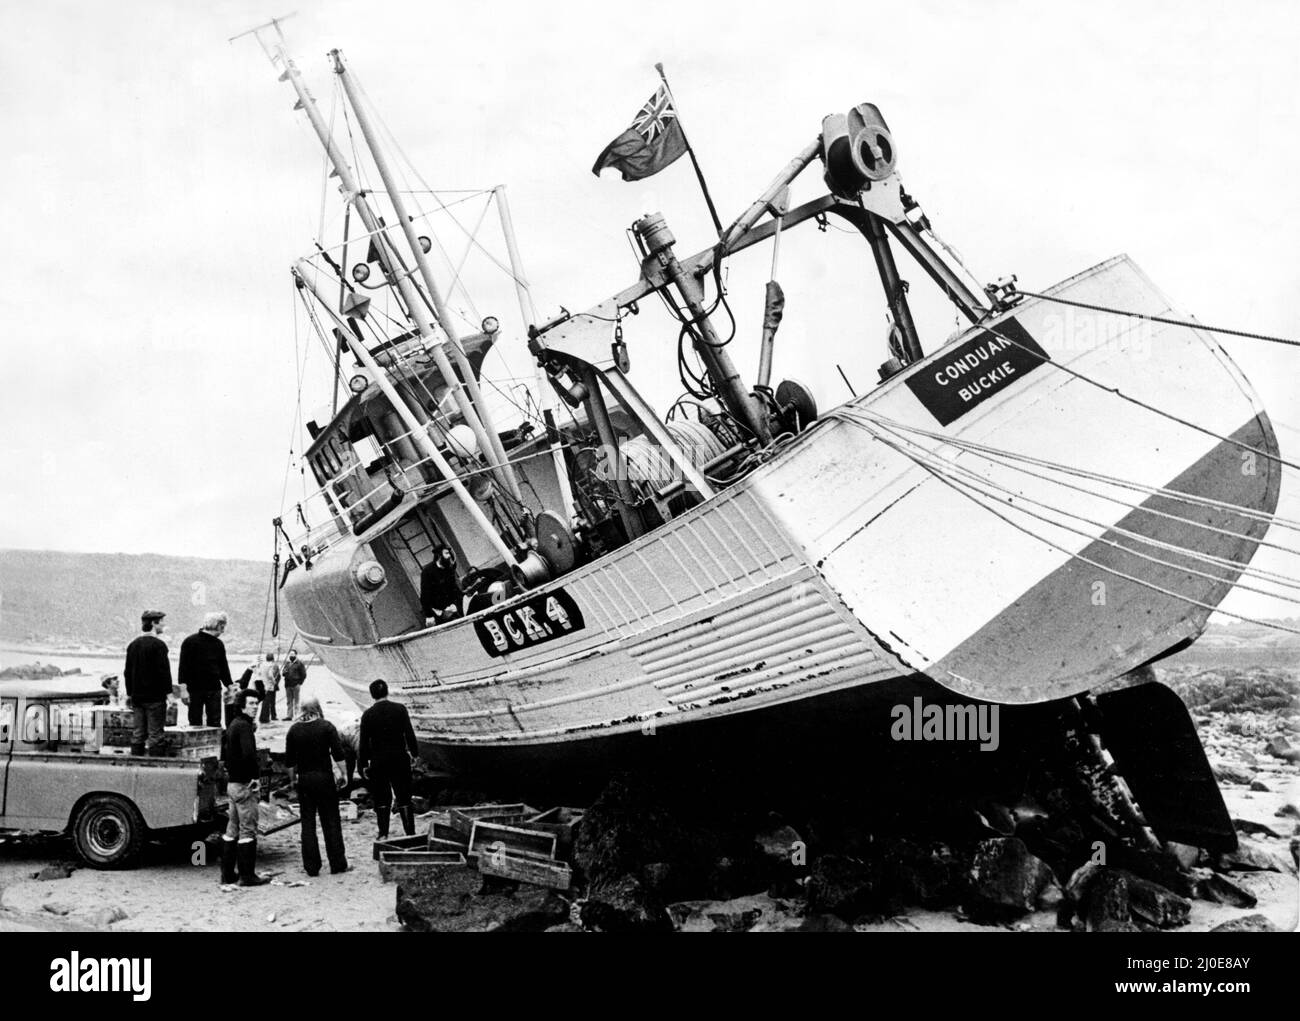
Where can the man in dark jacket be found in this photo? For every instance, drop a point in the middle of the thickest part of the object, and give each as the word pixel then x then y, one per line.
pixel 204 671
pixel 148 677
pixel 239 753
pixel 295 672
pixel 387 746
pixel 311 748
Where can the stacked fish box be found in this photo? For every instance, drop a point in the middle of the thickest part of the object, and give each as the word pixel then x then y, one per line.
pixel 509 841
pixel 113 726
pixel 193 742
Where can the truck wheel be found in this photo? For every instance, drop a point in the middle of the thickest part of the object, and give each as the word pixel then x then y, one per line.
pixel 109 832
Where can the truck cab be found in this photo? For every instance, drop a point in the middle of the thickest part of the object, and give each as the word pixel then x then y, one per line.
pixel 53 778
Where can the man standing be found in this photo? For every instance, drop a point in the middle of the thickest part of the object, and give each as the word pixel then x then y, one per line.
pixel 270 677
pixel 310 750
pixel 204 671
pixel 239 753
pixel 295 672
pixel 148 677
pixel 387 747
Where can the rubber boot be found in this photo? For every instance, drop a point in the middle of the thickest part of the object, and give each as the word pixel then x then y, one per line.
pixel 228 853
pixel 407 814
pixel 247 858
pixel 381 816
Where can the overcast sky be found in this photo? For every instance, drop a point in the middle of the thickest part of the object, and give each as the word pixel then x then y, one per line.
pixel 158 186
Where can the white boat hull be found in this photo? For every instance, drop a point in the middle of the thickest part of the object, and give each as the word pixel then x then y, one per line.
pixel 845 563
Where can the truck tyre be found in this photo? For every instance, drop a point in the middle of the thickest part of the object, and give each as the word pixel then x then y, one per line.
pixel 109 832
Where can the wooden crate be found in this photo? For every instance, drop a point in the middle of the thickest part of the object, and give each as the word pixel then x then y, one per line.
pixel 113 724
pixel 561 821
pixel 416 843
pixel 463 817
pixel 555 874
pixel 445 831
pixel 487 836
pixel 394 866
pixel 193 742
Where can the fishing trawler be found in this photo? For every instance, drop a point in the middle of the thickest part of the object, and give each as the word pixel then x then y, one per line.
pixel 1015 516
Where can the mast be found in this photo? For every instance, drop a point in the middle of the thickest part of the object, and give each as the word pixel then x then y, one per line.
pixel 417 431
pixel 356 197
pixel 529 314
pixel 493 446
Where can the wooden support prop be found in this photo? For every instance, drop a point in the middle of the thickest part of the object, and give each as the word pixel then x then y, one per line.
pixel 554 874
pixel 489 836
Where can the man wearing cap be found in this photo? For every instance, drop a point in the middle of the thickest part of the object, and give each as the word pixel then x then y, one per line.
pixel 148 677
pixel 204 670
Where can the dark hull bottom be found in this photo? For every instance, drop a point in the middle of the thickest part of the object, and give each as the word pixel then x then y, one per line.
pixel 839 748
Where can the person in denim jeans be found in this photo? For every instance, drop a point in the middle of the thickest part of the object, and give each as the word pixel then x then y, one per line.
pixel 239 752
pixel 269 674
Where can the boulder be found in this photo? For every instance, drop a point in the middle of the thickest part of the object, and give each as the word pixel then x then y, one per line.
pixel 1247 923
pixel 778 843
pixel 1005 880
pixel 1288 811
pixel 1228 772
pixel 824 923
pixel 106 916
pixel 455 898
pixel 1259 785
pixel 1105 906
pixel 624 905
pixel 1252 856
pixel 1279 747
pixel 1185 855
pixel 846 887
pixel 59 870
pixel 1157 866
pixel 1254 829
pixel 633 827
pixel 1154 903
pixel 782 856
pixel 1222 890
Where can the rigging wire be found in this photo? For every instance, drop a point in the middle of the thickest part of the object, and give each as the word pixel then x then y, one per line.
pixel 401 153
pixel 1142 508
pixel 1195 555
pixel 1190 498
pixel 1115 391
pixel 1161 319
pixel 1099 566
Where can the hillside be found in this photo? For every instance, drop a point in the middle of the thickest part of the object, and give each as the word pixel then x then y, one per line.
pixel 94 600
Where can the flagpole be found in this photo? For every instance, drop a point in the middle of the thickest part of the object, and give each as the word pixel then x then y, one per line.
pixel 691 152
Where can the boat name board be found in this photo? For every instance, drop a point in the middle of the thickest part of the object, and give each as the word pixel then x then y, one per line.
pixel 543 618
pixel 971 373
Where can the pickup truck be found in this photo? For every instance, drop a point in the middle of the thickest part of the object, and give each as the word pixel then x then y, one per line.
pixel 52 778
